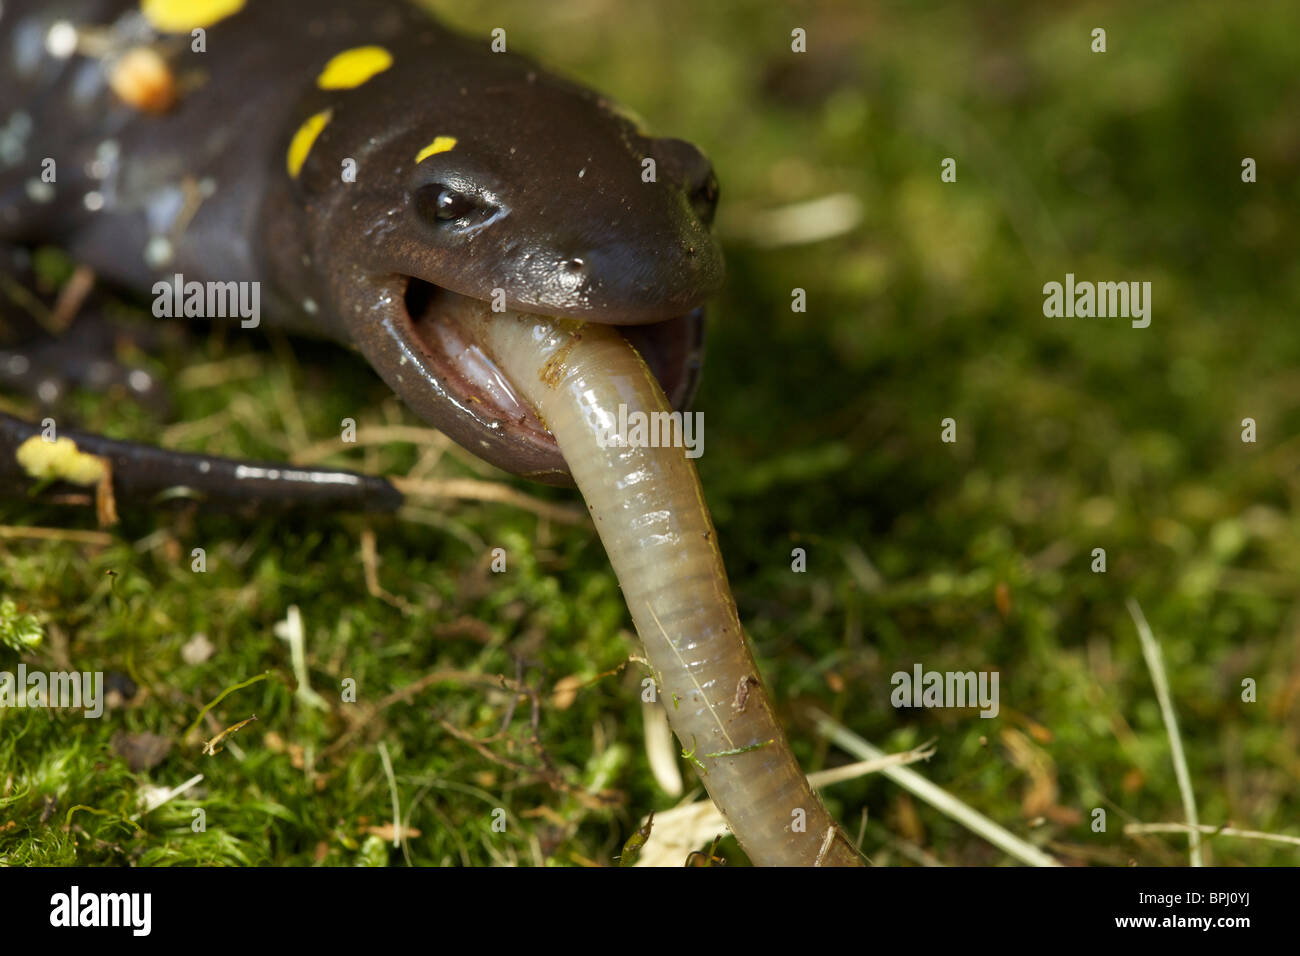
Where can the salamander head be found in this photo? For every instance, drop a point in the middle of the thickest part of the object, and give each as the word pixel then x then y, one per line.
pixel 534 195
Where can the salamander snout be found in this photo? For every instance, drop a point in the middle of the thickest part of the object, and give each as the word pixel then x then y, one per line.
pixel 634 249
pixel 577 214
pixel 665 267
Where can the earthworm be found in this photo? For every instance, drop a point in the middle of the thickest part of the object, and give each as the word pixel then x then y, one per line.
pixel 648 508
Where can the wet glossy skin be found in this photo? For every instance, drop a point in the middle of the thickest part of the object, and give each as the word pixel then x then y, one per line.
pixel 141 473
pixel 543 195
pixel 558 215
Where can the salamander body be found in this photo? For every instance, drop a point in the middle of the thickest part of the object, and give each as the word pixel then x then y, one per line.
pixel 353 163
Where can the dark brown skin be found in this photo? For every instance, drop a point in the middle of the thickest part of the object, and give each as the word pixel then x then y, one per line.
pixel 545 181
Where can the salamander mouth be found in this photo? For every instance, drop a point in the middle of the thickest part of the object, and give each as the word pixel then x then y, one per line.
pixel 508 432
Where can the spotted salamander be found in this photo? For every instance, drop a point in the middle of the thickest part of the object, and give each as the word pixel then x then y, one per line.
pixel 353 163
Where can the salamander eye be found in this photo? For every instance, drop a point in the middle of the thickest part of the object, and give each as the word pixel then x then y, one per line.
pixel 439 203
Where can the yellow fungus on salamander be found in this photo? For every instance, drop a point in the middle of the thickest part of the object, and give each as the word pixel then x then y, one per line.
pixel 439 145
pixel 182 16
pixel 351 68
pixel 61 460
pixel 303 140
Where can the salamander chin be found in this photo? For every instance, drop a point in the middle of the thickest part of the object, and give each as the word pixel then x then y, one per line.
pixel 671 348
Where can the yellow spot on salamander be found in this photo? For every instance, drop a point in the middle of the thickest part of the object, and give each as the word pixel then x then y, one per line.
pixel 351 68
pixel 141 78
pixel 302 141
pixel 60 460
pixel 440 145
pixel 182 16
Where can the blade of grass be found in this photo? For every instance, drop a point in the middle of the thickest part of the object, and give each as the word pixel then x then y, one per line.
pixel 1156 665
pixel 935 796
pixel 392 790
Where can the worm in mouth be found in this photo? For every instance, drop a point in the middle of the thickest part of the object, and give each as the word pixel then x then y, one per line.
pixel 438 318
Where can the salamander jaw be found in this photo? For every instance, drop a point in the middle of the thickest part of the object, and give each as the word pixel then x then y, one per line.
pixel 427 357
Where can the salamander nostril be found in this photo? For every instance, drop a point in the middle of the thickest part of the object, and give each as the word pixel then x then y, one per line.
pixel 572 273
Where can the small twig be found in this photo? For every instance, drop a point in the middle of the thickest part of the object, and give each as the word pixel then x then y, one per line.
pixel 851 771
pixel 370 566
pixel 468 627
pixel 56 534
pixel 1156 664
pixel 936 796
pixel 514 698
pixel 368 435
pixel 1138 828
pixel 472 489
pixel 549 775
pixel 71 298
pixel 535 728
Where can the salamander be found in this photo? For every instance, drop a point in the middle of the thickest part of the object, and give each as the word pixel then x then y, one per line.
pixel 344 167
